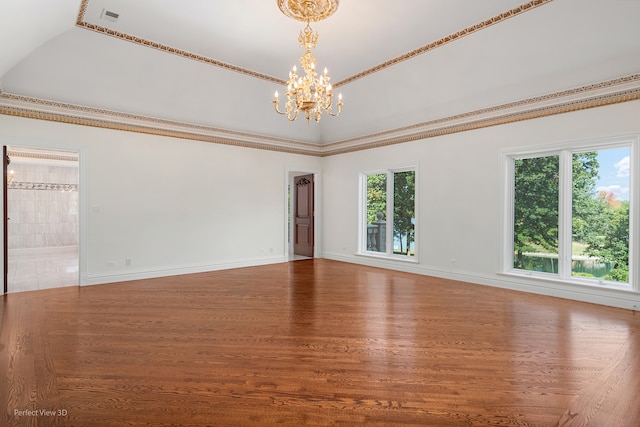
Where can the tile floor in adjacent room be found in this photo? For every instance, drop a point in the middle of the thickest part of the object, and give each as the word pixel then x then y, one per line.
pixel 46 268
pixel 42 268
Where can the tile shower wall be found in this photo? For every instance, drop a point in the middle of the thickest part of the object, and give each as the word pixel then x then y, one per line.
pixel 42 206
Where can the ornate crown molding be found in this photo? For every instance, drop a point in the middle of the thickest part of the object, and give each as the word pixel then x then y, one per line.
pixel 80 22
pixel 327 7
pixel 595 95
pixel 40 109
pixel 615 91
pixel 446 40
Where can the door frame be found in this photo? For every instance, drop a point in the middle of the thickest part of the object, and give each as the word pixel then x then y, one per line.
pixel 290 174
pixel 82 197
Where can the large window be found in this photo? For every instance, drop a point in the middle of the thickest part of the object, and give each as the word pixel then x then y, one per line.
pixel 570 211
pixel 389 205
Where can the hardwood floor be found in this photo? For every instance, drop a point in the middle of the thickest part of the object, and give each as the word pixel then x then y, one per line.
pixel 314 342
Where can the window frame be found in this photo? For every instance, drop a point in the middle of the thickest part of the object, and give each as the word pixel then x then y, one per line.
pixel 362 214
pixel 565 152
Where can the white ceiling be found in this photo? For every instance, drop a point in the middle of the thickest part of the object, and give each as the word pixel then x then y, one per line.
pixel 246 46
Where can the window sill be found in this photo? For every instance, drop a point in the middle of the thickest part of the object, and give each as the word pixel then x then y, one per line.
pixel 574 281
pixel 400 258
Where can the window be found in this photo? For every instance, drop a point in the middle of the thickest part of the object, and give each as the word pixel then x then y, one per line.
pixel 389 194
pixel 570 213
pixel 535 219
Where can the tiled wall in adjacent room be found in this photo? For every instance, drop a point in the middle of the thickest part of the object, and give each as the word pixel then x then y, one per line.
pixel 42 206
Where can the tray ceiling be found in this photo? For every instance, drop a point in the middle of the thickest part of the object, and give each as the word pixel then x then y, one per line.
pixel 208 68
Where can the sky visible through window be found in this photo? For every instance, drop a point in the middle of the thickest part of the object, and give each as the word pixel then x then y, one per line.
pixel 614 172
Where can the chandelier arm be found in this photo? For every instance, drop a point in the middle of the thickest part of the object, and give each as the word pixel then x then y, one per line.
pixel 295 112
pixel 339 110
pixel 275 106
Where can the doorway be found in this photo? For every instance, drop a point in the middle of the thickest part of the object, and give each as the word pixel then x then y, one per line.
pixel 42 219
pixel 302 238
pixel 303 213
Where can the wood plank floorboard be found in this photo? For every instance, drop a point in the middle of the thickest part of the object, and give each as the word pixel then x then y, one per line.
pixel 314 342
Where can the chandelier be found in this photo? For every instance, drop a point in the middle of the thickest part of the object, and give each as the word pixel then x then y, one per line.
pixel 308 93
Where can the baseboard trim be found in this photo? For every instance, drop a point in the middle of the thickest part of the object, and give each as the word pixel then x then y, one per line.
pixel 125 275
pixel 590 294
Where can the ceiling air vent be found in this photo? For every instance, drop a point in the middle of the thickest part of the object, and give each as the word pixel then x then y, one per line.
pixel 107 15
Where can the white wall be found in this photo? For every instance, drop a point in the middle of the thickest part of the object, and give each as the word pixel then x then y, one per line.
pixel 169 205
pixel 177 206
pixel 459 198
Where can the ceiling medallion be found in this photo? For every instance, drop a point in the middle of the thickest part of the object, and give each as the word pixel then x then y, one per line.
pixel 308 93
pixel 308 10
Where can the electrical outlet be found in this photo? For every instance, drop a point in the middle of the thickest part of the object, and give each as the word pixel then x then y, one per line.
pixel 127 262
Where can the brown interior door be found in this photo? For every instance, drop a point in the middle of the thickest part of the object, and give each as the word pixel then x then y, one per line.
pixel 5 219
pixel 303 214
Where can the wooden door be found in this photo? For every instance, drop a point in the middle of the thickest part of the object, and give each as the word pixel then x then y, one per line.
pixel 303 216
pixel 5 219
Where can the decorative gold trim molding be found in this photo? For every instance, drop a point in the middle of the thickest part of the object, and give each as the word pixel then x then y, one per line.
pixel 446 40
pixel 586 97
pixel 83 9
pixel 161 123
pixel 611 92
pixel 47 186
pixel 168 49
pixel 533 114
pixel 34 108
pixel 201 58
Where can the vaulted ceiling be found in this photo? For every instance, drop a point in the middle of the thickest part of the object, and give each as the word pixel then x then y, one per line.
pixel 207 69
